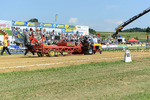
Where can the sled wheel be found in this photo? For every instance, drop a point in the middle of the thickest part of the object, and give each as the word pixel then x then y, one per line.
pixel 40 55
pixel 51 53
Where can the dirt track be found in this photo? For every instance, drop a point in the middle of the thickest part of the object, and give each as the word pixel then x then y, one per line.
pixel 19 62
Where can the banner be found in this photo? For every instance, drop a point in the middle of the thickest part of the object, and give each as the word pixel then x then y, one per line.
pixel 43 25
pixel 60 26
pixel 30 24
pixel 67 31
pixel 17 23
pixel 70 27
pixel 46 25
pixel 5 25
pixel 19 38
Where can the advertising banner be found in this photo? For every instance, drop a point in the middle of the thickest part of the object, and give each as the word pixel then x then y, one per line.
pixel 19 38
pixel 67 31
pixel 5 25
pixel 70 27
pixel 17 23
pixel 60 26
pixel 64 28
pixel 44 25
pixel 84 30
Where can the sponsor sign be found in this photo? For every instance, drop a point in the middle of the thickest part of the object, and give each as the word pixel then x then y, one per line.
pixel 60 26
pixel 67 31
pixel 19 38
pixel 5 25
pixel 17 23
pixel 30 24
pixel 47 25
pixel 43 25
pixel 70 27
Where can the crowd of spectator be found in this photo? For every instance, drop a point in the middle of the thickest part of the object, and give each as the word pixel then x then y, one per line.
pixel 52 38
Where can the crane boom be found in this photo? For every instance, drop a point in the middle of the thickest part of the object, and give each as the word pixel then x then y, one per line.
pixel 120 27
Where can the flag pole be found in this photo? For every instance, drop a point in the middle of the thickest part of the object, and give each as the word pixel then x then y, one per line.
pixel 55 22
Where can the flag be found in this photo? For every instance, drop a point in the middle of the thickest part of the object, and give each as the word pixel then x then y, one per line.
pixel 56 17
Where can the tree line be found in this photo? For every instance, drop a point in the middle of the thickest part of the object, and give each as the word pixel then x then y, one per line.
pixel 136 29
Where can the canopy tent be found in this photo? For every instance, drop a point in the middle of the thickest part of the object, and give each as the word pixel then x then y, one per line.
pixel 133 40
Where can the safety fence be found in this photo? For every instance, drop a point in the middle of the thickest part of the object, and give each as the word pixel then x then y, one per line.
pixel 14 49
pixel 123 47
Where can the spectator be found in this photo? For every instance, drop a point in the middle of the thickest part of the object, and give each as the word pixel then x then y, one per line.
pixel 1 43
pixel 5 44
pixel 95 39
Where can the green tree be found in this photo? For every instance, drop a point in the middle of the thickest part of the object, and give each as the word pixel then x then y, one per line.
pixel 136 29
pixel 147 33
pixel 33 20
pixel 92 31
pixel 148 30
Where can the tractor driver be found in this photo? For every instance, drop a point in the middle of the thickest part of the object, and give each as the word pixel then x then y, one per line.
pixel 30 45
pixel 33 40
pixel 85 41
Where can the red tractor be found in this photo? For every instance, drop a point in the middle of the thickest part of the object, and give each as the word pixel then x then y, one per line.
pixel 61 48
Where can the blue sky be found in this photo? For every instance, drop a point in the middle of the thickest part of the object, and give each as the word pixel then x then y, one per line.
pixel 101 15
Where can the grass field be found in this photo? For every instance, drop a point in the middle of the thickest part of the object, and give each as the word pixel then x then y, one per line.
pixel 9 32
pixel 95 81
pixel 141 35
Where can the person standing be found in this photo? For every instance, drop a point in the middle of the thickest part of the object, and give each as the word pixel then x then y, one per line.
pixel 0 43
pixel 95 39
pixel 5 44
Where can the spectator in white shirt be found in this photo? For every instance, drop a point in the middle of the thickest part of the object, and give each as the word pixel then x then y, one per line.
pixel 95 39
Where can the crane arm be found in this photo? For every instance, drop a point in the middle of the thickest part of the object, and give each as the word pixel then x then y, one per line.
pixel 120 27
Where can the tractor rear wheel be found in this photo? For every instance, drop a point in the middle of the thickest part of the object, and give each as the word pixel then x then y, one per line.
pixel 51 52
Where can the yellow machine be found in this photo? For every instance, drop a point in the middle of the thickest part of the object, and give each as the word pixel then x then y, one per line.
pixel 97 45
pixel 120 27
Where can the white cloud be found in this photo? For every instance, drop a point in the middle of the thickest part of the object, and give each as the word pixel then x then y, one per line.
pixel 114 21
pixel 73 20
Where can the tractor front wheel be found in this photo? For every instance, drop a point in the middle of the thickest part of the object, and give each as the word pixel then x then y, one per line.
pixel 89 51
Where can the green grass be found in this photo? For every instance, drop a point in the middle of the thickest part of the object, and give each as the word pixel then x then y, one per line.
pixel 9 32
pixel 141 35
pixel 95 81
pixel 147 58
